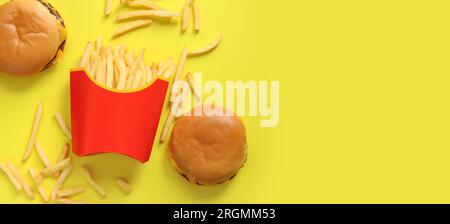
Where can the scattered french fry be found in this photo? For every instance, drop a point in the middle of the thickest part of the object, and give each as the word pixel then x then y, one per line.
pixel 131 26
pixel 42 154
pixel 124 185
pixel 21 179
pixel 70 192
pixel 93 183
pixel 63 125
pixel 181 63
pixel 108 7
pixel 146 14
pixel 190 80
pixel 186 15
pixel 143 4
pixel 69 201
pixel 62 155
pixel 11 177
pixel 37 121
pixel 38 185
pixel 60 181
pixel 196 13
pixel 208 48
pixel 55 168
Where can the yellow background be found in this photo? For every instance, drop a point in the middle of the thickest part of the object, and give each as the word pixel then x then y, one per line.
pixel 364 115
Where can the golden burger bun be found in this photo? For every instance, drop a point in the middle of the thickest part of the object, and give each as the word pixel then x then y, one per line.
pixel 208 150
pixel 32 36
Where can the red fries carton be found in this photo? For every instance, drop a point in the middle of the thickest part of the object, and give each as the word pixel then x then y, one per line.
pixel 106 120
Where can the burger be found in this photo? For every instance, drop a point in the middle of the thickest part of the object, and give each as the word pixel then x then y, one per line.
pixel 32 36
pixel 208 150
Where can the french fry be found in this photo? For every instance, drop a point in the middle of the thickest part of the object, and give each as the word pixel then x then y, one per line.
pixel 11 177
pixel 137 79
pixel 146 14
pixel 131 82
pixel 192 85
pixel 149 74
pixel 94 63
pixel 181 63
pixel 62 155
pixel 70 192
pixel 169 121
pixel 63 125
pixel 69 201
pixel 98 44
pixel 21 179
pixel 100 75
pixel 87 53
pixel 164 67
pixel 169 71
pixel 92 182
pixel 37 121
pixel 124 185
pixel 60 181
pixel 208 48
pixel 123 74
pixel 55 168
pixel 42 154
pixel 109 70
pixel 186 15
pixel 196 13
pixel 38 185
pixel 154 69
pixel 108 7
pixel 142 4
pixel 131 26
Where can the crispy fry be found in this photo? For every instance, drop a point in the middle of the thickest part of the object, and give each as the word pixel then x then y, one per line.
pixel 181 63
pixel 108 7
pixel 55 167
pixel 208 48
pixel 137 79
pixel 98 44
pixel 146 14
pixel 169 71
pixel 42 154
pixel 60 182
pixel 192 85
pixel 186 15
pixel 142 4
pixel 69 201
pixel 131 82
pixel 123 74
pixel 63 125
pixel 109 70
pixel 169 121
pixel 131 26
pixel 100 74
pixel 92 182
pixel 70 192
pixel 196 13
pixel 124 185
pixel 11 177
pixel 87 53
pixel 62 155
pixel 164 67
pixel 38 185
pixel 149 74
pixel 37 121
pixel 21 179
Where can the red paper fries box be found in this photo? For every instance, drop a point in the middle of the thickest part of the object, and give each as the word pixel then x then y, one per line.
pixel 111 121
